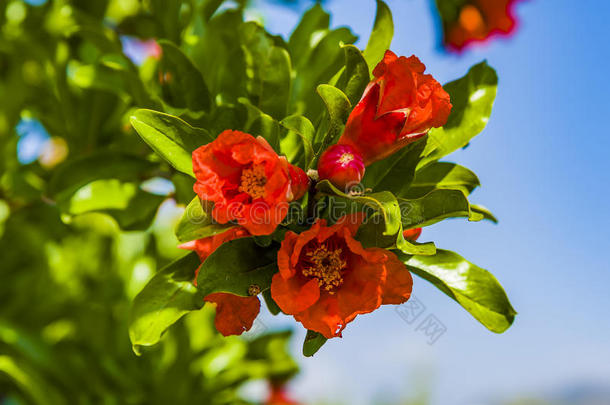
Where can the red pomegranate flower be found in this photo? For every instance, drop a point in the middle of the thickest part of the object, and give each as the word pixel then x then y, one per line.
pixel 234 314
pixel 278 395
pixel 400 105
pixel 342 166
pixel 478 20
pixel 247 181
pixel 327 278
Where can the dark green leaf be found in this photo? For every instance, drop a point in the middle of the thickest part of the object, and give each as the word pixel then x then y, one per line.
pixel 74 174
pixel 313 342
pixel 434 207
pixel 259 123
pixel 305 131
pixel 472 97
pixel 183 84
pixel 197 223
pixel 474 288
pixel 381 37
pixel 169 136
pixel 338 108
pixel 167 297
pixel 441 175
pixel 237 265
pixel 355 77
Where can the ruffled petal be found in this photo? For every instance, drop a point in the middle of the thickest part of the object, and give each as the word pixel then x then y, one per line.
pixel 234 314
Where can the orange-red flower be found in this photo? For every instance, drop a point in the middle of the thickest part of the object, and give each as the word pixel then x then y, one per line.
pixel 341 165
pixel 234 314
pixel 412 234
pixel 247 181
pixel 478 20
pixel 278 395
pixel 400 105
pixel 326 278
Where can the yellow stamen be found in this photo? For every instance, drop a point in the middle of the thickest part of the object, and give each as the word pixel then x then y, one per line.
pixel 346 158
pixel 327 267
pixel 253 182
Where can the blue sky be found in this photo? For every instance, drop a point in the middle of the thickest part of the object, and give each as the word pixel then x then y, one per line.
pixel 543 164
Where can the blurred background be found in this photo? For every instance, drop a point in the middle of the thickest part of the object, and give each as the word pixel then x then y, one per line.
pixel 66 285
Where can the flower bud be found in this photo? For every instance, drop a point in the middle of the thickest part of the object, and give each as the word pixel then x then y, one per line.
pixel 412 234
pixel 341 165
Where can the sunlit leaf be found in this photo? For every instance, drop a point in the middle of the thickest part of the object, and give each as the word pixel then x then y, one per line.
pixel 381 37
pixel 197 223
pixel 441 175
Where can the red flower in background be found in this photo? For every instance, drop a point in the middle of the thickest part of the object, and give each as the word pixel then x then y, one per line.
pixel 234 314
pixel 478 20
pixel 247 181
pixel 412 234
pixel 400 105
pixel 327 278
pixel 278 395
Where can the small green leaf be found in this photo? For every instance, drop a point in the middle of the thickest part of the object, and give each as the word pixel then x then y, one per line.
pixel 355 77
pixel 474 288
pixel 304 129
pixel 434 207
pixel 441 175
pixel 237 265
pixel 183 86
pixel 381 37
pixel 313 342
pixel 170 137
pixel 338 108
pixel 197 223
pixel 479 209
pixel 167 297
pixel 472 97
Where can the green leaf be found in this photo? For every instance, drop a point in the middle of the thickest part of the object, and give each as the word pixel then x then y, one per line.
pixel 237 265
pixel 355 77
pixel 382 227
pixel 268 67
pixel 472 97
pixel 260 123
pixel 434 207
pixel 441 175
pixel 76 173
pixel 381 37
pixel 183 86
pixel 167 297
pixel 396 172
pixel 479 209
pixel 474 288
pixel 314 20
pixel 197 223
pixel 304 129
pixel 170 137
pixel 130 206
pixel 338 108
pixel 313 342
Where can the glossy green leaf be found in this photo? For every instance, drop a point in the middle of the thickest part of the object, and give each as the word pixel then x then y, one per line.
pixel 305 131
pixel 474 288
pixel 441 175
pixel 314 20
pixel 396 172
pixel 167 297
pixel 268 68
pixel 382 227
pixel 472 97
pixel 313 342
pixel 338 108
pixel 355 77
pixel 381 37
pixel 434 207
pixel 197 223
pixel 183 85
pixel 169 136
pixel 479 209
pixel 76 173
pixel 237 265
pixel 259 123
